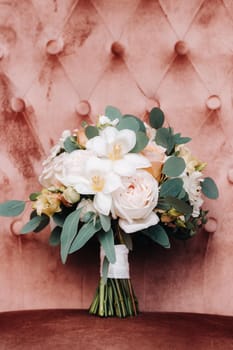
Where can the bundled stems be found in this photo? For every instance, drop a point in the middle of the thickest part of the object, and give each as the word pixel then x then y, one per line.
pixel 114 298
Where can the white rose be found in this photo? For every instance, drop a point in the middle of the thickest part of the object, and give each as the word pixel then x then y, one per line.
pixel 60 144
pixel 135 201
pixel 52 171
pixel 74 166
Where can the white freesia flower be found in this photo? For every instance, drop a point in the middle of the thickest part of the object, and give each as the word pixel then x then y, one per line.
pixel 193 188
pixel 115 145
pixel 134 203
pixel 51 174
pixel 98 179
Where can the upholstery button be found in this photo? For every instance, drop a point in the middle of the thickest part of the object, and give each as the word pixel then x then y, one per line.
pixel 213 102
pixel 117 49
pixel 83 108
pixel 181 48
pixel 16 227
pixel 151 103
pixel 54 46
pixel 211 225
pixel 17 104
pixel 230 175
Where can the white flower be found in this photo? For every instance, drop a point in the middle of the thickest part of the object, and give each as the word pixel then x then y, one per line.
pixel 193 188
pixel 135 201
pixel 115 145
pixel 73 166
pixel 98 179
pixel 60 144
pixel 87 206
pixel 52 171
pixel 103 120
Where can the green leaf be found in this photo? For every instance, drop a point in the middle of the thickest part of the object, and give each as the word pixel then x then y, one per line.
pixel 139 121
pixel 165 138
pixel 171 187
pixel 129 122
pixel 180 205
pixel 69 231
pixel 181 140
pixel 91 131
pixel 43 223
pixel 174 166
pixel 12 208
pixel 105 222
pixel 31 225
pixel 156 118
pixel 70 144
pixel 113 113
pixel 158 235
pixel 85 233
pixel 33 196
pixel 209 188
pixel 141 142
pixel 55 236
pixel 107 241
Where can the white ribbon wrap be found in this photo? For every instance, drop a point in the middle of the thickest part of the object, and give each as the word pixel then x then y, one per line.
pixel 120 269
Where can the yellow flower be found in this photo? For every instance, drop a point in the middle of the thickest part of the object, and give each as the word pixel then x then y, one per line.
pixel 47 203
pixel 156 155
pixel 192 163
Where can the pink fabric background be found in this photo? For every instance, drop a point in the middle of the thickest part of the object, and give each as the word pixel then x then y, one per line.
pixel 62 62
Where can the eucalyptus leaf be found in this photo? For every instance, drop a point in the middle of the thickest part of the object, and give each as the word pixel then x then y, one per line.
pixel 171 187
pixel 158 234
pixel 107 241
pixel 43 223
pixel 139 121
pixel 209 188
pixel 129 122
pixel 69 231
pixel 33 196
pixel 181 140
pixel 113 113
pixel 141 142
pixel 156 118
pixel 105 222
pixel 55 236
pixel 12 208
pixel 31 225
pixel 91 131
pixel 174 166
pixel 70 144
pixel 84 234
pixel 165 139
pixel 180 205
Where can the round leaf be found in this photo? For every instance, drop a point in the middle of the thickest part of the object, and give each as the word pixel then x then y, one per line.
pixel 171 187
pixel 112 113
pixel 91 131
pixel 174 166
pixel 128 123
pixel 12 208
pixel 141 142
pixel 156 118
pixel 209 188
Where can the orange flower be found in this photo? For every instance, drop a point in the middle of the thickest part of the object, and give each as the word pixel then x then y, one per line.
pixel 156 155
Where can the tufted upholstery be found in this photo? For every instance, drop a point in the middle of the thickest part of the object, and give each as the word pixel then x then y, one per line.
pixel 62 62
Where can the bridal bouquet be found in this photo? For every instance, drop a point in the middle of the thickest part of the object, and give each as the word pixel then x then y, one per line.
pixel 114 180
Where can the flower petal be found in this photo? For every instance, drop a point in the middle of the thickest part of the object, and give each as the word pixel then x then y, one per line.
pixel 138 225
pixel 103 203
pixel 138 160
pixel 127 139
pixel 98 145
pixel 112 183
